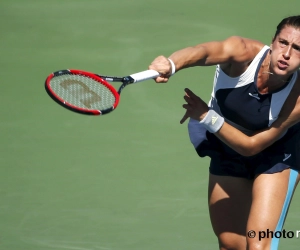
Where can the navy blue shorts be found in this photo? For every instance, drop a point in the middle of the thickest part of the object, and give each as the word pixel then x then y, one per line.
pixel 283 154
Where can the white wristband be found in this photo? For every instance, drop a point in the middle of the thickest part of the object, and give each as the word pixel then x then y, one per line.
pixel 172 66
pixel 212 121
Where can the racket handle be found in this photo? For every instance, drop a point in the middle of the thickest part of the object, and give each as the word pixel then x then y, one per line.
pixel 144 75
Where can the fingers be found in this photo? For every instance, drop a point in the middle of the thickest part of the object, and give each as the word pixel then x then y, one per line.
pixel 188 99
pixel 188 108
pixel 162 65
pixel 195 107
pixel 184 118
pixel 161 79
pixel 190 93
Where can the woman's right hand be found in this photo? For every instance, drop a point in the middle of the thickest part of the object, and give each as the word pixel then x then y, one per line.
pixel 163 66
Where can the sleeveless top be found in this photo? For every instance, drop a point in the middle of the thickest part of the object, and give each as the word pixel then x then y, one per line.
pixel 237 99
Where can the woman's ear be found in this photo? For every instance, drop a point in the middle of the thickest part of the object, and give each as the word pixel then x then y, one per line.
pixel 273 39
pixel 271 46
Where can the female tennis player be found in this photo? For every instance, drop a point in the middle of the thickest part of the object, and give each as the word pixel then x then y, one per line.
pixel 250 129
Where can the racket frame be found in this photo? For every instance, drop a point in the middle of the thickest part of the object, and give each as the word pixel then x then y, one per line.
pixel 134 78
pixel 71 107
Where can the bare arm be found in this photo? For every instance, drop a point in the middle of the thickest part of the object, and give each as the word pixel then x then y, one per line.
pixel 237 140
pixel 249 145
pixel 232 50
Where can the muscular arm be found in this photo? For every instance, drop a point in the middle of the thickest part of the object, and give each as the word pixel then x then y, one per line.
pixel 232 50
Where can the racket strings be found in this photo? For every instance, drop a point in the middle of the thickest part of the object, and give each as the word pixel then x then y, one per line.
pixel 82 91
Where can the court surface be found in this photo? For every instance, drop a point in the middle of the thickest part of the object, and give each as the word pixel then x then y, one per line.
pixel 129 180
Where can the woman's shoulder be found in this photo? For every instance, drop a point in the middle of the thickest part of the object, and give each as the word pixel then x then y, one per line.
pixel 253 46
pixel 244 49
pixel 245 42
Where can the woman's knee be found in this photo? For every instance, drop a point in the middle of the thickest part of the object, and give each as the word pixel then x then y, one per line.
pixel 258 245
pixel 232 241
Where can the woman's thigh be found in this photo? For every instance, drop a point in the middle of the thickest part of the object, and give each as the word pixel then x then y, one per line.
pixel 229 206
pixel 272 194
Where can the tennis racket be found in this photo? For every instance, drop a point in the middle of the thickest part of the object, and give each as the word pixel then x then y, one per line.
pixel 89 93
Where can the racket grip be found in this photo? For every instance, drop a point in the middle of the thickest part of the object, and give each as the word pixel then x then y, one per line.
pixel 144 75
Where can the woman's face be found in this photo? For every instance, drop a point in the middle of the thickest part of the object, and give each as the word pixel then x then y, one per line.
pixel 285 55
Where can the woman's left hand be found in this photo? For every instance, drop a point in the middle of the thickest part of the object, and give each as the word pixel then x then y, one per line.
pixel 195 107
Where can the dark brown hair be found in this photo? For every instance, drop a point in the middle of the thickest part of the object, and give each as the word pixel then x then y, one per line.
pixel 293 21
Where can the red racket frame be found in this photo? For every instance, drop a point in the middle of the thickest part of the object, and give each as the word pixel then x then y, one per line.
pixel 67 105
